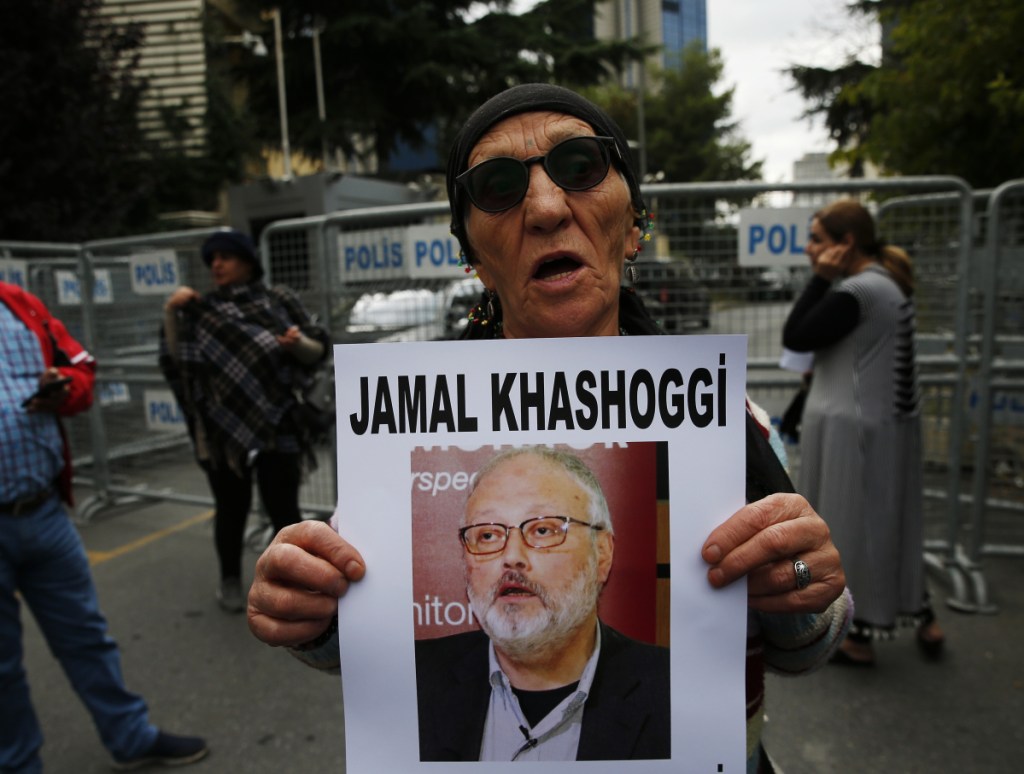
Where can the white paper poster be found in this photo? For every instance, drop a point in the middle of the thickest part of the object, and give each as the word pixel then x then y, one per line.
pixel 660 422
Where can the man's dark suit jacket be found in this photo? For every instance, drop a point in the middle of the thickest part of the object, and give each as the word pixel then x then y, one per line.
pixel 626 715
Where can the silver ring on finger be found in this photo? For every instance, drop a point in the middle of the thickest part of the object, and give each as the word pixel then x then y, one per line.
pixel 803 574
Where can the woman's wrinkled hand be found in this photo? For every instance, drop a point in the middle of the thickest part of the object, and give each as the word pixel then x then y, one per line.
pixel 298 581
pixel 762 541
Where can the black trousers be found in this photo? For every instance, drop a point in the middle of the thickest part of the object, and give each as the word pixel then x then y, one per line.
pixel 278 477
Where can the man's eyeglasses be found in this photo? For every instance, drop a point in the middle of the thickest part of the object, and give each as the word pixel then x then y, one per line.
pixel 576 164
pixel 541 532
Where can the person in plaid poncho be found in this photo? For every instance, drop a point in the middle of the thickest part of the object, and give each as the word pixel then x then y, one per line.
pixel 236 358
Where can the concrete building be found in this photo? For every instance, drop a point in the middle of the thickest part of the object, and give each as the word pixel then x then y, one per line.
pixel 173 59
pixel 813 166
pixel 816 166
pixel 671 24
pixel 180 37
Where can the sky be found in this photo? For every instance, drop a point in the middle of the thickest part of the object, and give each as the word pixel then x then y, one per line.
pixel 760 38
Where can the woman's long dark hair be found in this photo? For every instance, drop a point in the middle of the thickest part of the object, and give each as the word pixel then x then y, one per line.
pixel 848 216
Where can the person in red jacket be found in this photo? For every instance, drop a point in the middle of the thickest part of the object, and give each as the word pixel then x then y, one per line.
pixel 45 374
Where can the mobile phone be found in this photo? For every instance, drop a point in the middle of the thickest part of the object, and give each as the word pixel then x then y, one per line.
pixel 47 390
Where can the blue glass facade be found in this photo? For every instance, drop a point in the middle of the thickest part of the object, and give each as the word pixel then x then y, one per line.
pixel 682 21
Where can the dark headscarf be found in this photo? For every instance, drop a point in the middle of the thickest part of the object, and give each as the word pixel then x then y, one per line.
pixel 528 98
pixel 235 243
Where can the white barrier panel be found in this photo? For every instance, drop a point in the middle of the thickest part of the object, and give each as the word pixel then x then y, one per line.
pixel 433 250
pixel 416 252
pixel 162 411
pixel 373 254
pixel 154 273
pixel 1007 408
pixel 773 237
pixel 14 271
pixel 69 289
pixel 111 393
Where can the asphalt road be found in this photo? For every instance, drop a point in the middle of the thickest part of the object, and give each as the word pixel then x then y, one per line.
pixel 202 672
pixel 910 715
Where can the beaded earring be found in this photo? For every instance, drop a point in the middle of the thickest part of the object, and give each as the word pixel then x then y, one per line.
pixel 646 223
pixel 486 312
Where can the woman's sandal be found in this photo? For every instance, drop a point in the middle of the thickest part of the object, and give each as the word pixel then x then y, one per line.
pixel 931 645
pixel 844 657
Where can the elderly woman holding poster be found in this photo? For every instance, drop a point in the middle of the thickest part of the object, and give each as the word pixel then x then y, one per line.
pixel 546 205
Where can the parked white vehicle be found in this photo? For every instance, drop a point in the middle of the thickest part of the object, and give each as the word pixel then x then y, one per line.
pixel 415 314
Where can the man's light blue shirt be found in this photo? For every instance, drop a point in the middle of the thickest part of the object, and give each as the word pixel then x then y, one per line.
pixel 31 449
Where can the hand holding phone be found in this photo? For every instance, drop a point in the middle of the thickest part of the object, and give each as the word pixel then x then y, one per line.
pixel 47 390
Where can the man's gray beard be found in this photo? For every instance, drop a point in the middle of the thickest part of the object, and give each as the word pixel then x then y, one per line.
pixel 520 634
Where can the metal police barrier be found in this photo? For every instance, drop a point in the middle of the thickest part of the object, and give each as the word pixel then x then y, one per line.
pixel 144 428
pixel 144 271
pixel 375 274
pixel 989 411
pixel 946 267
pixel 725 258
pixel 997 400
pixel 133 444
pixel 746 293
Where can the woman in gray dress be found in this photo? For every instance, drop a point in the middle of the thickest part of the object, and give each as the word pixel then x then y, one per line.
pixel 861 432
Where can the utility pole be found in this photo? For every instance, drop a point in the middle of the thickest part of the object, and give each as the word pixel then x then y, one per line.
pixel 282 99
pixel 321 104
pixel 641 93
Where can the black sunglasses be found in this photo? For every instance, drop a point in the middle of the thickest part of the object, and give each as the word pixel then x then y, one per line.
pixel 576 164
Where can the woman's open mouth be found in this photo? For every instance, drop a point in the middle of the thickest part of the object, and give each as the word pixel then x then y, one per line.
pixel 556 268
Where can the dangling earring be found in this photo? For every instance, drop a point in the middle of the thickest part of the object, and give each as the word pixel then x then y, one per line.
pixel 646 223
pixel 486 312
pixel 631 273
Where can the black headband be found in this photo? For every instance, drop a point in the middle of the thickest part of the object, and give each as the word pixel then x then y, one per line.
pixel 528 98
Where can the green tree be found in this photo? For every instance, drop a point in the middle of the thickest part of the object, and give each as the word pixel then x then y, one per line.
pixel 691 137
pixel 70 147
pixel 848 121
pixel 410 71
pixel 75 163
pixel 689 130
pixel 948 97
